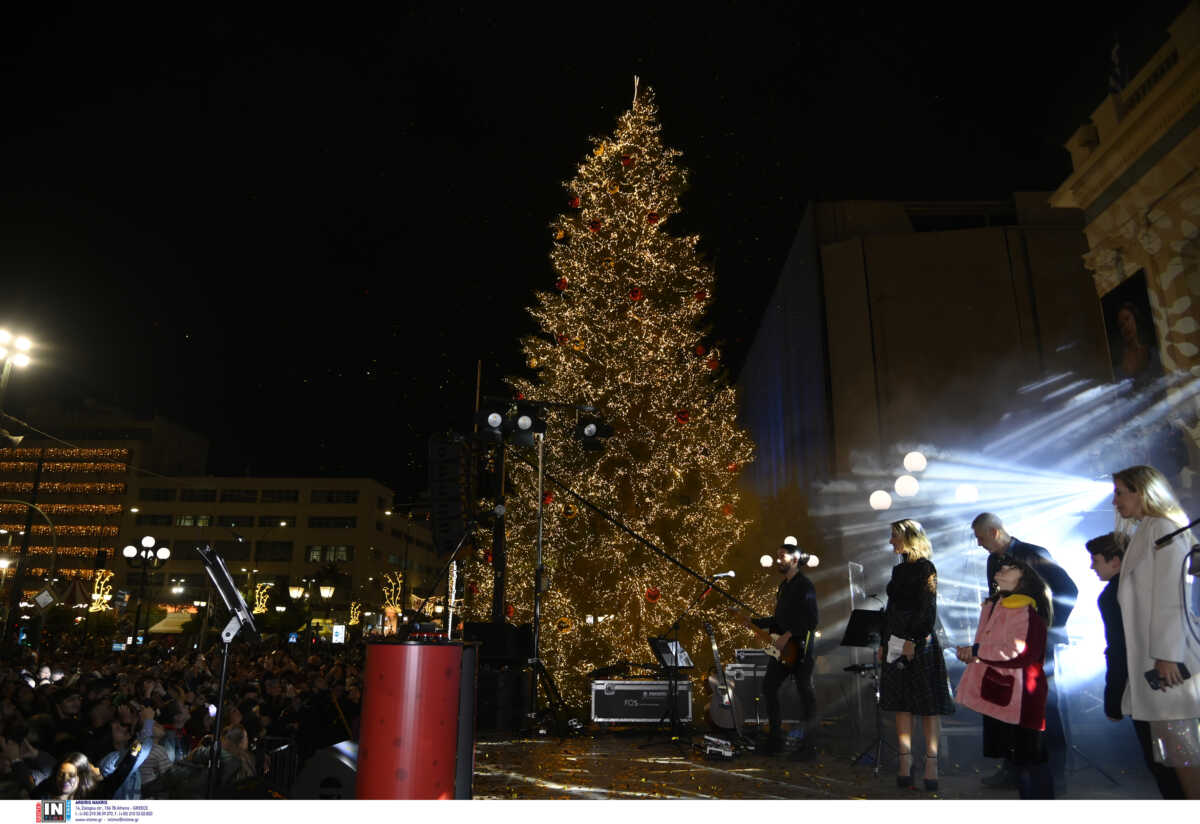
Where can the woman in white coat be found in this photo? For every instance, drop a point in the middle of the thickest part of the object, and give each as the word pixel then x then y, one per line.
pixel 1159 634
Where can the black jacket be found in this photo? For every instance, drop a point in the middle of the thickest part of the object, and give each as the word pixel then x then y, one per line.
pixel 1117 672
pixel 1063 591
pixel 912 601
pixel 795 609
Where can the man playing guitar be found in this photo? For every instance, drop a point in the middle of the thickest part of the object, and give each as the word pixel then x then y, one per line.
pixel 794 621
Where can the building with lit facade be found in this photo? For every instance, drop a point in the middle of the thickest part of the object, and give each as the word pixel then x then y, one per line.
pixel 283 532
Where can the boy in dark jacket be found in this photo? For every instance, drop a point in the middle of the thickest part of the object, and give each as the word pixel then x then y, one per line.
pixel 1107 552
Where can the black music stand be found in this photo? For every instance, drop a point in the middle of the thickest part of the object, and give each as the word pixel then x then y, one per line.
pixel 865 630
pixel 240 619
pixel 672 658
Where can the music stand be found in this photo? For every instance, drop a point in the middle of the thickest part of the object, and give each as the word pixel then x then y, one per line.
pixel 865 629
pixel 671 658
pixel 240 619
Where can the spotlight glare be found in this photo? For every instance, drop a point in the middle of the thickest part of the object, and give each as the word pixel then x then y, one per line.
pixel 907 486
pixel 966 494
pixel 880 500
pixel 766 561
pixel 915 462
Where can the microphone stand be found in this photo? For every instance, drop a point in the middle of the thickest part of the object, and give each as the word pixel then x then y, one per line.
pixel 1166 539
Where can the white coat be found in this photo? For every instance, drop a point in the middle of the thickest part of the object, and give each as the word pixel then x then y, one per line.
pixel 1150 596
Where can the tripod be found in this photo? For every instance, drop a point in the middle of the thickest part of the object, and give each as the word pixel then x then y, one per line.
pixel 670 654
pixel 865 629
pixel 555 706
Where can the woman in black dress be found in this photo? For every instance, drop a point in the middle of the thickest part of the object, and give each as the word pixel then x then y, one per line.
pixel 913 674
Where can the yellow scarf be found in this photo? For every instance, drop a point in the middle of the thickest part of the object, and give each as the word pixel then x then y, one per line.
pixel 1017 601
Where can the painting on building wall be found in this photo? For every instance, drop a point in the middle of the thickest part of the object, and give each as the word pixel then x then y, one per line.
pixel 1132 340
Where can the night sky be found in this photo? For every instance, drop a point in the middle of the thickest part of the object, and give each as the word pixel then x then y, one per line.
pixel 297 231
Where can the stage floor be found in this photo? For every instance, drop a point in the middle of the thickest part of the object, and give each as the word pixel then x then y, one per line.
pixel 613 764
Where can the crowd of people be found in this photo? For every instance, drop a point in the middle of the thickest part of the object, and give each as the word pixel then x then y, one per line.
pixel 1153 645
pixel 78 725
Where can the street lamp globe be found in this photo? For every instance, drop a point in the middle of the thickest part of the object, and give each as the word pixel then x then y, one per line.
pixel 295 592
pixel 148 541
pixel 163 553
pixel 326 592
pixel 129 551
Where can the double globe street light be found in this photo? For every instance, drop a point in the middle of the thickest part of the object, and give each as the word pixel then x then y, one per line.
pixel 146 557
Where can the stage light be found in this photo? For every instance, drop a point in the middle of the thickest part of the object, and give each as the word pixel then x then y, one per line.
pixel 766 561
pixel 591 432
pixel 906 486
pixel 494 419
pixel 915 462
pixel 880 500
pixel 966 494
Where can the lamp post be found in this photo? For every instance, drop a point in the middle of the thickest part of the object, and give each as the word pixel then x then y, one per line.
pixel 146 557
pixel 327 596
pixel 296 593
pixel 14 351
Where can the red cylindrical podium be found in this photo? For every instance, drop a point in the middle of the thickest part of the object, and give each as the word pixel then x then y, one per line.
pixel 408 738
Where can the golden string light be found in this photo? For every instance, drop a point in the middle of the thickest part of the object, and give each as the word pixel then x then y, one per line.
pixel 70 551
pixel 101 591
pixel 665 471
pixel 60 488
pixel 94 454
pixel 262 593
pixel 355 611
pixel 65 529
pixel 393 586
pixel 67 509
pixel 65 572
pixel 62 466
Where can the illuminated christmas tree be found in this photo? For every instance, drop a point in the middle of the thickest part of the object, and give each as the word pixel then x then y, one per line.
pixel 619 331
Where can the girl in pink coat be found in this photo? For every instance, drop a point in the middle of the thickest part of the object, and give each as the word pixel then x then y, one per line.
pixel 1005 681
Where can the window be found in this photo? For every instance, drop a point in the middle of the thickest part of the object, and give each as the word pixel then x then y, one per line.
pixel 235 520
pixel 203 520
pixel 233 550
pixel 379 503
pixel 156 493
pixel 239 496
pixel 277 520
pixel 332 522
pixel 339 553
pixel 197 494
pixel 334 496
pixel 185 520
pixel 280 496
pixel 393 559
pixel 146 519
pixel 313 553
pixel 273 551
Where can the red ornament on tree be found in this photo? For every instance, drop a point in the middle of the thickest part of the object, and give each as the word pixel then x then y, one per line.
pixel 562 339
pixel 733 466
pixel 574 201
pixel 701 295
pixel 652 594
pixel 635 294
pixel 700 350
pixel 727 511
pixel 520 396
pixel 548 498
pixel 626 161
pixel 561 284
pixel 488 558
pixel 595 225
pixel 682 416
pixel 473 588
pixel 713 363
pixel 652 217
pixel 509 610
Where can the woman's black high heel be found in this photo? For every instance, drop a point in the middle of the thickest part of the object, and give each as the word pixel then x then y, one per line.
pixel 905 781
pixel 931 784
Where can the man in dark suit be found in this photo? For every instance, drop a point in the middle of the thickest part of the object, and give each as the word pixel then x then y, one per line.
pixel 1107 553
pixel 992 536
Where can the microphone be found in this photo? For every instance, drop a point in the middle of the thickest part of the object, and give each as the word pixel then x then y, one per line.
pixel 729 574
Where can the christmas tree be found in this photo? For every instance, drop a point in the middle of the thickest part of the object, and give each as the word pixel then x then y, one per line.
pixel 619 331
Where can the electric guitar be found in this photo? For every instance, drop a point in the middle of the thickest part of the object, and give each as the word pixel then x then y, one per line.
pixel 793 651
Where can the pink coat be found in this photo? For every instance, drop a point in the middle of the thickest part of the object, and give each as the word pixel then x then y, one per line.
pixel 1008 682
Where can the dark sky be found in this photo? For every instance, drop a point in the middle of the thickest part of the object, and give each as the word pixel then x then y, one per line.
pixel 297 231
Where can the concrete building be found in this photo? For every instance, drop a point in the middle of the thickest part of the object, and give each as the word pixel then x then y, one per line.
pixel 1135 182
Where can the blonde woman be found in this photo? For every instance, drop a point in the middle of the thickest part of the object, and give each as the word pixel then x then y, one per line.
pixel 1159 636
pixel 913 673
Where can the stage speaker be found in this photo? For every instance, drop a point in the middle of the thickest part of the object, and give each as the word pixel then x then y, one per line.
pixel 503 698
pixel 329 774
pixel 449 490
pixel 501 644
